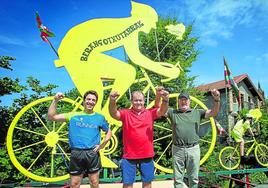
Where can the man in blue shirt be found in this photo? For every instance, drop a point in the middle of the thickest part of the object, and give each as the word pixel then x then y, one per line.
pixel 84 138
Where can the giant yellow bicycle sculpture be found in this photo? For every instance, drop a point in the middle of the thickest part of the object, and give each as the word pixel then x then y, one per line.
pixel 81 53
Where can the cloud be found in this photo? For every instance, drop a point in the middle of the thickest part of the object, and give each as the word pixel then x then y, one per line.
pixel 11 40
pixel 210 41
pixel 218 19
pixel 261 59
pixel 249 58
pixel 264 57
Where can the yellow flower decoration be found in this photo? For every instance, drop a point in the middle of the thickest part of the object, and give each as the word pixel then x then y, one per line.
pixel 256 113
pixel 177 30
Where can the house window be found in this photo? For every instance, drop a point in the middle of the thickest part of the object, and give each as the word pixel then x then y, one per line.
pixel 249 103
pixel 242 101
pixel 234 98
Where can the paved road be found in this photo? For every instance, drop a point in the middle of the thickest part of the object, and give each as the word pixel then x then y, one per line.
pixel 155 184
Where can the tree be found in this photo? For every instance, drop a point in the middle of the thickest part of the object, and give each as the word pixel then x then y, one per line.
pixel 8 85
pixel 263 124
pixel 8 173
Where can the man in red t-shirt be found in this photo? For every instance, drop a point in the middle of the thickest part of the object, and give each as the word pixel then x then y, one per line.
pixel 138 148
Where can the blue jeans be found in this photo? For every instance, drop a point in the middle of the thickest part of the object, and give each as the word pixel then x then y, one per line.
pixel 189 159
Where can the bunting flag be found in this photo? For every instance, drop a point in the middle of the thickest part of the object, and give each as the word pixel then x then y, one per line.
pixel 43 29
pixel 229 81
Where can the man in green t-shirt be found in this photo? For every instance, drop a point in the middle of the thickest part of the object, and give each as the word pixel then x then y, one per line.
pixel 185 128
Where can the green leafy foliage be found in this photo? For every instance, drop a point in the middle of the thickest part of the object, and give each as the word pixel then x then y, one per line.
pixel 5 62
pixel 8 85
pixel 35 86
pixel 263 125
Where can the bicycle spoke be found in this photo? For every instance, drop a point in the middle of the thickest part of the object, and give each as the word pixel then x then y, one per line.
pixel 160 127
pixel 164 152
pixel 29 145
pixel 261 150
pixel 167 136
pixel 65 140
pixel 157 49
pixel 62 125
pixel 63 151
pixel 195 106
pixel 262 157
pixel 52 163
pixel 37 158
pixel 140 80
pixel 64 134
pixel 236 158
pixel 26 130
pixel 163 48
pixel 206 141
pixel 205 122
pixel 146 88
pixel 265 159
pixel 41 121
pixel 68 154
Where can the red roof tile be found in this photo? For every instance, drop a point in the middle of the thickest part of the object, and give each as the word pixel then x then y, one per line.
pixel 221 84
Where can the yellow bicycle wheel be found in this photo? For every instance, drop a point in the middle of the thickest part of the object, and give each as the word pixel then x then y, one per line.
pixel 261 154
pixel 229 158
pixel 163 137
pixel 45 155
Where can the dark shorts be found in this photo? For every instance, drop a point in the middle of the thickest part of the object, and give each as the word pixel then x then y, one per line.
pixel 84 161
pixel 129 166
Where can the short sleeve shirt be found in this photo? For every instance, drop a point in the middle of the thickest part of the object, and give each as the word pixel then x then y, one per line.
pixel 185 125
pixel 138 133
pixel 84 129
pixel 240 128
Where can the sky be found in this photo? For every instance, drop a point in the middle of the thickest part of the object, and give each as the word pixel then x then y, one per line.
pixel 237 30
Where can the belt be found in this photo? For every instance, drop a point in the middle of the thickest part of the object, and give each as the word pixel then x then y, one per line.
pixel 186 145
pixel 82 149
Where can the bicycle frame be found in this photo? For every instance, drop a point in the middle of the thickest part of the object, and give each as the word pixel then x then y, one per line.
pixel 251 147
